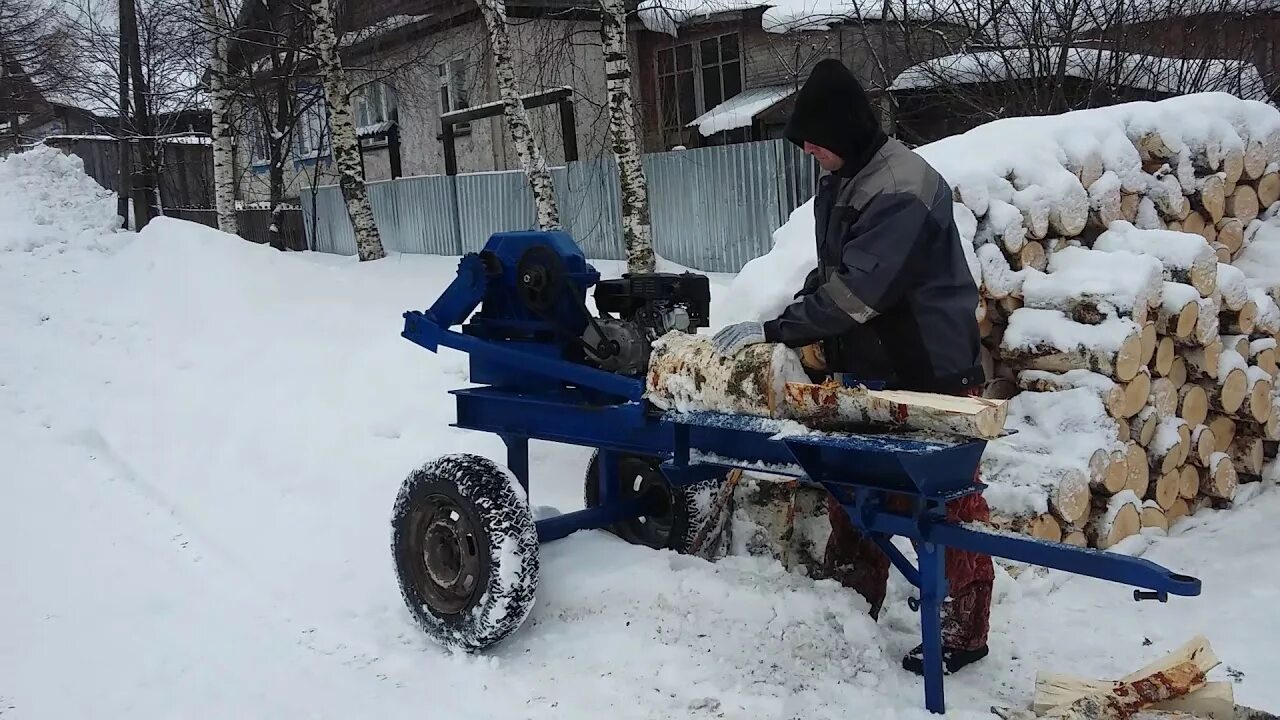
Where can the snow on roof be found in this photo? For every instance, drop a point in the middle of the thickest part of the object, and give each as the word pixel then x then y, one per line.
pixel 374 129
pixel 381 27
pixel 782 16
pixel 994 17
pixel 739 110
pixel 1150 72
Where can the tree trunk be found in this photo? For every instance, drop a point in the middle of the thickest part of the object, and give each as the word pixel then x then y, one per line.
pixel 346 146
pixel 531 157
pixel 220 99
pixel 637 231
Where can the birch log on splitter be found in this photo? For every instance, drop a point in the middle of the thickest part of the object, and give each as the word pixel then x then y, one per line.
pixel 768 380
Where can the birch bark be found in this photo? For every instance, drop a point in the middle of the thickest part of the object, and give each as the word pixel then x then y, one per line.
pixel 346 147
pixel 531 157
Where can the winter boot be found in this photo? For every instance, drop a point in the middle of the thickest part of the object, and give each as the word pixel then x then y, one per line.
pixel 952 659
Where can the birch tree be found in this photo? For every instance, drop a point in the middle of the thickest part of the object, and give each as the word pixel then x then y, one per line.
pixel 346 146
pixel 637 231
pixel 531 157
pixel 220 100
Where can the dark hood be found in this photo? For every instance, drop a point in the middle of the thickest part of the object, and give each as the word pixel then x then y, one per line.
pixel 833 111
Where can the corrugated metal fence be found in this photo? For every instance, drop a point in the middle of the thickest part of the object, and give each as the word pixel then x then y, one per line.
pixel 713 209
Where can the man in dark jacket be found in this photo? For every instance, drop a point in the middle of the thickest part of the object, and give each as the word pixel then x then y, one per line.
pixel 892 303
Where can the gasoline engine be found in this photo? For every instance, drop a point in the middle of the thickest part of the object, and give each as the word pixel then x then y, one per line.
pixel 535 291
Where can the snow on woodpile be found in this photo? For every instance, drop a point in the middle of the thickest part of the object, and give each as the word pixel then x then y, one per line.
pixel 1049 463
pixel 1130 254
pixel 1147 72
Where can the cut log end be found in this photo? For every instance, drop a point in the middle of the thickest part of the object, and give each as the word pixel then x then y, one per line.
pixel 1137 468
pixel 1189 484
pixel 1230 395
pixel 1135 394
pixel 1203 445
pixel 1178 373
pixel 1218 481
pixel 1268 190
pixel 1193 404
pixel 1076 538
pixel 1239 322
pixel 1126 522
pixel 1165 352
pixel 1154 517
pixel 1148 339
pixel 1224 432
pixel 1166 488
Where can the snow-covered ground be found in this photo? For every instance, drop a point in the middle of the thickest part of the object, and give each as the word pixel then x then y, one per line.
pixel 202 440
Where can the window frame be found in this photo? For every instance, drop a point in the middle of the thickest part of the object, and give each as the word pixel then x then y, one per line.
pixel 674 134
pixel 259 145
pixel 452 76
pixel 387 106
pixel 312 126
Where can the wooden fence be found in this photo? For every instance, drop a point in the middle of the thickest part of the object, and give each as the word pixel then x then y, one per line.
pixel 186 186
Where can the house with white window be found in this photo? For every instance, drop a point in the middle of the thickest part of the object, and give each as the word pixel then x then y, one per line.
pixel 722 71
pixel 409 62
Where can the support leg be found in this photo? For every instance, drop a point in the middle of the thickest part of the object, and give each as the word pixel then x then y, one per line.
pixel 607 461
pixel 518 458
pixel 933 589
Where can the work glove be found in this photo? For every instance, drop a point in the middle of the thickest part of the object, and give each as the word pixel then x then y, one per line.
pixel 734 337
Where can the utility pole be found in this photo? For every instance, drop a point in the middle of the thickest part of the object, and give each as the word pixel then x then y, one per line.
pixel 144 192
pixel 124 186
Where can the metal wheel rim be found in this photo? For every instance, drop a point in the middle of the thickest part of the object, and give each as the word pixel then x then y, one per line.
pixel 446 554
pixel 638 478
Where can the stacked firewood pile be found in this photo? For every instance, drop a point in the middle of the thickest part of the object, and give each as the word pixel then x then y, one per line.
pixel 1141 361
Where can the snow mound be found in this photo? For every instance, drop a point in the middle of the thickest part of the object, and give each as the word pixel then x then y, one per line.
pixel 767 284
pixel 48 204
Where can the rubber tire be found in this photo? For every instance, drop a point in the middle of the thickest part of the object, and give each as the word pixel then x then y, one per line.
pixel 686 513
pixel 501 520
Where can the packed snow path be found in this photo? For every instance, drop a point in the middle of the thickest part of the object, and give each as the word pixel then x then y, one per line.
pixel 202 441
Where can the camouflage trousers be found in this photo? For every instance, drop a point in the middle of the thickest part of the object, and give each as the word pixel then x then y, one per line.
pixel 859 564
